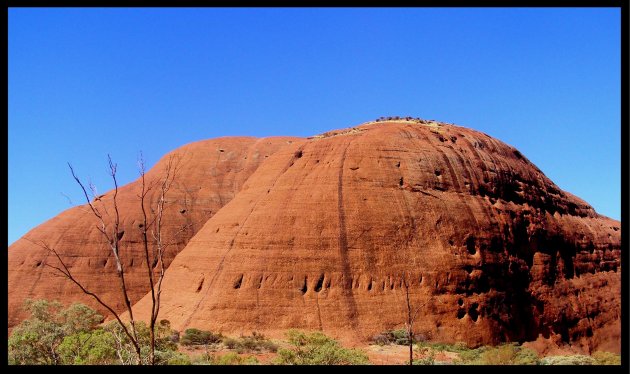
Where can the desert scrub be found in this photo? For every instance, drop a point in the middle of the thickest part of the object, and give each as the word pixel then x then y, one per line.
pixel 606 358
pixel 255 343
pixel 505 354
pixel 399 337
pixel 72 336
pixel 230 358
pixel 568 360
pixel 199 337
pixel 39 340
pixel 427 356
pixel 317 349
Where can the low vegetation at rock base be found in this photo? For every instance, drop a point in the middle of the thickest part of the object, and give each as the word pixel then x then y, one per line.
pixel 76 335
pixel 254 343
pixel 503 354
pixel 317 349
pixel 199 337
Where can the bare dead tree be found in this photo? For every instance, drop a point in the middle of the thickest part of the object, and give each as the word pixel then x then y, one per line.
pixel 160 245
pixel 113 235
pixel 113 239
pixel 411 316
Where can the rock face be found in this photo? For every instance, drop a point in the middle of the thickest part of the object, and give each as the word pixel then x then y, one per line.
pixel 323 233
pixel 210 174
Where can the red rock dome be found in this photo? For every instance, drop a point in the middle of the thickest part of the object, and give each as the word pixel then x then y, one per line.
pixel 320 235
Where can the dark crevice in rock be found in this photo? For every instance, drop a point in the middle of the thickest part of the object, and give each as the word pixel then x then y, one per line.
pixel 200 284
pixel 238 282
pixel 470 245
pixel 319 284
pixel 304 287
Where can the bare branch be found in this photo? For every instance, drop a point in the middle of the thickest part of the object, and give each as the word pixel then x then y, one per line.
pixel 113 240
pixel 87 198
pixel 66 273
pixel 67 197
pixel 145 242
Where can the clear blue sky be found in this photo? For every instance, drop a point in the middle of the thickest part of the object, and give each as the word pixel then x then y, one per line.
pixel 87 82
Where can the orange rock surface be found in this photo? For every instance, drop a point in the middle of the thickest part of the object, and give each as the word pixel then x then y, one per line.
pixel 322 232
pixel 320 235
pixel 210 173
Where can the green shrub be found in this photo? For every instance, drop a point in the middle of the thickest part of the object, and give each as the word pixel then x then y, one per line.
pixel 501 355
pixel 255 343
pixel 568 360
pixel 88 348
pixel 199 337
pixel 317 349
pixel 234 359
pixel 204 359
pixel 57 335
pixel 606 358
pixel 163 342
pixel 226 359
pixel 399 337
pixel 506 354
pixel 381 339
pixel 231 343
pixel 36 341
pixel 172 358
pixel 526 356
pixel 456 347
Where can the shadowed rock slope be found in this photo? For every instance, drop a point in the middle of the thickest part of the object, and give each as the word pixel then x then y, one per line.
pixel 210 174
pixel 322 233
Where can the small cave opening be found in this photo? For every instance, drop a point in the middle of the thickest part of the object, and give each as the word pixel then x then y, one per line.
pixel 589 332
pixel 461 313
pixel 398 164
pixel 304 288
pixel 470 245
pixel 238 282
pixel 320 283
pixel 400 182
pixel 298 154
pixel 200 286
pixel 460 302
pixel 473 313
pixel 259 283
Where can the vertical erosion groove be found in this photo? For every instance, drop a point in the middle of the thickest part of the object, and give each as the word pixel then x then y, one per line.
pixel 343 245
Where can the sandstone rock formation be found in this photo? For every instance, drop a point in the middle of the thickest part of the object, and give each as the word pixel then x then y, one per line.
pixel 320 235
pixel 210 173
